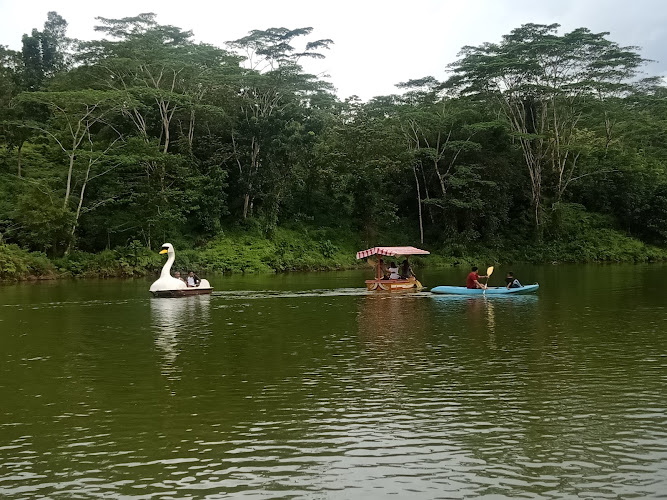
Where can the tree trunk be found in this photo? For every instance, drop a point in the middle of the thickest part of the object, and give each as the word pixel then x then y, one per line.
pixel 419 204
pixel 75 224
pixel 69 179
pixel 537 205
pixel 436 167
pixel 20 148
pixel 166 138
pixel 246 203
pixel 428 197
pixel 254 170
pixel 191 129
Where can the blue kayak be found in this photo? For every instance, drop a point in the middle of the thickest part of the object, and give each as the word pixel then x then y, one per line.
pixel 500 290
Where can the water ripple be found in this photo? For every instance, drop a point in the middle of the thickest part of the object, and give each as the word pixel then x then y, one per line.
pixel 332 393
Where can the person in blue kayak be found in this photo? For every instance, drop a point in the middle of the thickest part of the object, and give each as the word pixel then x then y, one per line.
pixel 511 281
pixel 473 279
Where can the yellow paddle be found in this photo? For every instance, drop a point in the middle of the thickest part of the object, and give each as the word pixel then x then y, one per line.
pixel 489 272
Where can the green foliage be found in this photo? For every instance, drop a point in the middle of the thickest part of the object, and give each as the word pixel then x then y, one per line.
pixel 17 264
pixel 42 223
pixel 541 147
pixel 287 250
pixel 122 262
pixel 543 83
pixel 44 52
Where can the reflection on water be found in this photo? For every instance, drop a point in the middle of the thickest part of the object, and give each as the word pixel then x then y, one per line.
pixel 491 316
pixel 327 391
pixel 173 318
pixel 290 294
pixel 387 317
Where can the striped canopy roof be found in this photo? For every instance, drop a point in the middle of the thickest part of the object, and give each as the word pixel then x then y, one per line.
pixel 391 251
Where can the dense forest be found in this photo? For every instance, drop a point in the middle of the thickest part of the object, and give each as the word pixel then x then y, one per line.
pixel 543 146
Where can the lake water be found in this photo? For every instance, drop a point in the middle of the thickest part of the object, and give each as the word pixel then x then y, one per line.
pixel 307 386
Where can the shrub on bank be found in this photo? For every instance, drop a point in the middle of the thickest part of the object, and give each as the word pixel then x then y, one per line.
pixel 19 264
pixel 122 262
pixel 235 251
pixel 304 249
pixel 287 250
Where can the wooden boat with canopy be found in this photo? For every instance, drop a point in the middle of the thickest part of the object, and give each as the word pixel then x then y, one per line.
pixel 380 283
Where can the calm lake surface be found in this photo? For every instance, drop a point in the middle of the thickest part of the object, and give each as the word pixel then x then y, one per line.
pixel 307 386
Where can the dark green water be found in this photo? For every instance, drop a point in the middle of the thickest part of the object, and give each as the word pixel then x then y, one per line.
pixel 304 385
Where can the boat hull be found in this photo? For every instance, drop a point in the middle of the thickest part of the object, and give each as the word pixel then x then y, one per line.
pixel 183 292
pixel 461 290
pixel 393 285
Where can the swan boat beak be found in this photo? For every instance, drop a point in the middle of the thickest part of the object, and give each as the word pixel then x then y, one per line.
pixel 164 250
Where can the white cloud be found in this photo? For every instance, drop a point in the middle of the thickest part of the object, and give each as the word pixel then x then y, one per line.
pixel 376 43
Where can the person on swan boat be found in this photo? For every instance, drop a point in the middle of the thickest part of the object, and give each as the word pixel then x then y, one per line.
pixel 473 279
pixel 177 275
pixel 193 279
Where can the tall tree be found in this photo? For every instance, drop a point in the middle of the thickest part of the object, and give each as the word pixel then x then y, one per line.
pixel 542 81
pixel 11 128
pixel 272 87
pixel 54 44
pixel 75 117
pixel 159 66
pixel 172 86
pixel 45 53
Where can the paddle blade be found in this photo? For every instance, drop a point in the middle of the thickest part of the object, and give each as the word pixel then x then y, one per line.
pixel 489 271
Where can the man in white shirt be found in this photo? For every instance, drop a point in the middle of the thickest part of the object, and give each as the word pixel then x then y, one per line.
pixel 193 279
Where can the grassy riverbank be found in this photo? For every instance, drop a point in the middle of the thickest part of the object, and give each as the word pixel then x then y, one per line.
pixel 240 251
pixel 235 251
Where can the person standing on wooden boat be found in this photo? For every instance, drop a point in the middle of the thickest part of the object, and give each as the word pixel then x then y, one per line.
pixel 473 279
pixel 511 281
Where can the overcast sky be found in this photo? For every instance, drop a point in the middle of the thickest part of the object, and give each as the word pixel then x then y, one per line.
pixel 376 43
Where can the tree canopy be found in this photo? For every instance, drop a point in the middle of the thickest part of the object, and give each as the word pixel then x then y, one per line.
pixel 145 135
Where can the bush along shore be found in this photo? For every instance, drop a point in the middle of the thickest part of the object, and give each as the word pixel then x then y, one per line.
pixel 315 250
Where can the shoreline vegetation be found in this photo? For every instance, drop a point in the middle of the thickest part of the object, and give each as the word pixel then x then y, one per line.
pixel 308 250
pixel 543 146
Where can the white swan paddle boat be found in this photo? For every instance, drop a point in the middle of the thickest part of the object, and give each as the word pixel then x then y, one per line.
pixel 168 286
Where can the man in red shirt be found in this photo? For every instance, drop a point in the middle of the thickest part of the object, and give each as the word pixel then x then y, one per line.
pixel 473 279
